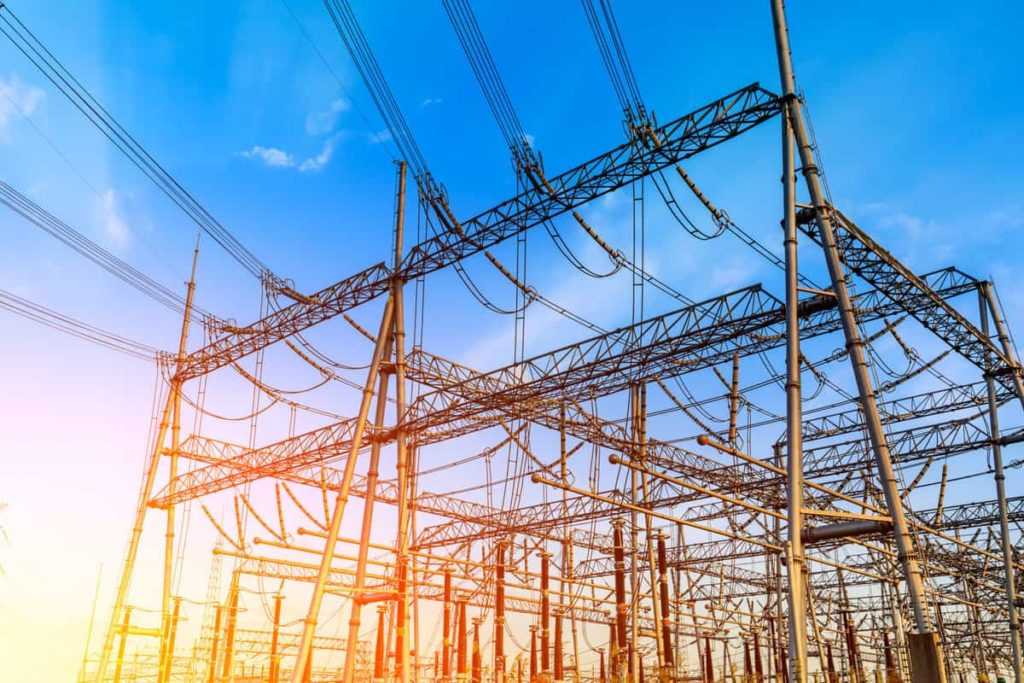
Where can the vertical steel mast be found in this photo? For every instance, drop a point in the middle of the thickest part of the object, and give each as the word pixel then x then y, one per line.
pixel 986 301
pixel 794 418
pixel 926 653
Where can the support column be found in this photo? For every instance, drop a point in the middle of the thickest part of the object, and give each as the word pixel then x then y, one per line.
pixel 227 672
pixel 533 653
pixel 621 608
pixel 171 405
pixel 402 448
pixel 369 501
pixel 924 643
pixel 275 658
pixel 309 626
pixel 794 419
pixel 211 670
pixel 163 668
pixel 666 615
pixel 476 668
pixel 172 637
pixel 499 615
pixel 460 650
pixel 446 641
pixel 559 663
pixel 387 340
pixel 545 613
pixel 987 302
pixel 640 455
pixel 119 666
pixel 380 649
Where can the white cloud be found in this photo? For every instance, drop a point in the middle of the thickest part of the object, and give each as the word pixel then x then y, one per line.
pixel 322 159
pixel 16 98
pixel 278 158
pixel 270 156
pixel 322 122
pixel 114 225
pixel 529 139
pixel 430 101
pixel 379 137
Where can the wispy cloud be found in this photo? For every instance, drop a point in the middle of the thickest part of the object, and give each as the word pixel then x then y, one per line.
pixel 322 159
pixel 270 156
pixel 430 101
pixel 274 157
pixel 111 220
pixel 16 98
pixel 323 122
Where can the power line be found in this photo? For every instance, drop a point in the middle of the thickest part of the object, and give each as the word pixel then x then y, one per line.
pixel 82 245
pixel 76 328
pixel 54 70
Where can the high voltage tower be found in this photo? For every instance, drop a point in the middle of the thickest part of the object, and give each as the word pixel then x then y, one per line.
pixel 586 540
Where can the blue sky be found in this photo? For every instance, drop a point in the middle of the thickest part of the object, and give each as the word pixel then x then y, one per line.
pixel 916 106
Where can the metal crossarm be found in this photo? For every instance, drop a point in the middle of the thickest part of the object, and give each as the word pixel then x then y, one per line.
pixel 885 272
pixel 683 138
pixel 946 400
pixel 747 328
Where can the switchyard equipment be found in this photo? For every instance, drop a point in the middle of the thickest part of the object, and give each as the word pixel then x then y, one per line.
pixel 640 530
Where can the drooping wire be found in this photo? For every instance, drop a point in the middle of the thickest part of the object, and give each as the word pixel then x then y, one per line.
pixel 640 126
pixel 54 70
pixel 355 41
pixel 524 157
pixel 65 323
pixel 479 56
pixel 81 244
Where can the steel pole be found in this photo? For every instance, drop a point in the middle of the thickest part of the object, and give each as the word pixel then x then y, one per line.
pixel 163 669
pixel 1004 339
pixel 401 446
pixel 855 348
pixel 794 418
pixel 275 661
pixel 987 301
pixel 309 626
pixel 369 500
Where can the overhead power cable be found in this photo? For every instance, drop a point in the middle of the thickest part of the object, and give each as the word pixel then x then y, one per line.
pixel 639 121
pixel 352 35
pixel 54 70
pixel 470 36
pixel 81 244
pixel 64 323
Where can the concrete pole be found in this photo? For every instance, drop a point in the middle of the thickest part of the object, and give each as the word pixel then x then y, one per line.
pixel 794 419
pixel 929 660
pixel 987 301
